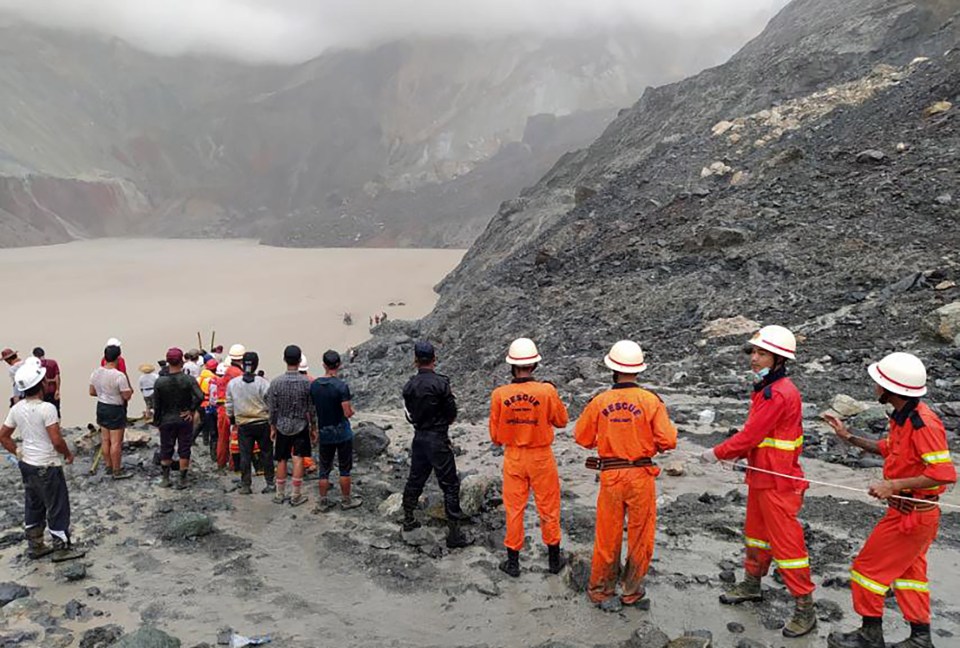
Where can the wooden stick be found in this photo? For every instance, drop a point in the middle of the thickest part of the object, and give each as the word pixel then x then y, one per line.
pixel 96 460
pixel 213 338
pixel 199 340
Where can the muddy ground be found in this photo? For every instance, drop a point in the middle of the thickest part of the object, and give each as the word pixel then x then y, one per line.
pixel 352 579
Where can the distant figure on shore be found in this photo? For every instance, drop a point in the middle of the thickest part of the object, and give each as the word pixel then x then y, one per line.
pixel 51 382
pixel 147 381
pixel 348 319
pixel 112 389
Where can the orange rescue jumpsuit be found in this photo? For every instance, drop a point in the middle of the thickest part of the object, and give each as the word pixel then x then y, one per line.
pixel 223 421
pixel 895 554
pixel 772 439
pixel 522 417
pixel 625 422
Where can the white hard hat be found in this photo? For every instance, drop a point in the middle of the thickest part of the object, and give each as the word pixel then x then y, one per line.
pixel 28 375
pixel 777 340
pixel 32 361
pixel 626 357
pixel 222 369
pixel 113 342
pixel 237 351
pixel 523 353
pixel 304 365
pixel 900 373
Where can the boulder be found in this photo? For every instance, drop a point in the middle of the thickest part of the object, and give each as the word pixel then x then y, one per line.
pixel 937 108
pixel 577 574
pixel 12 591
pixel 392 507
pixel 369 441
pixel 147 637
pixel 721 127
pixel 944 323
pixel 72 571
pixel 674 469
pixel 475 490
pixel 688 641
pixel 871 156
pixel 647 635
pixel 729 326
pixel 101 636
pixel 136 438
pixel 186 524
pixel 846 406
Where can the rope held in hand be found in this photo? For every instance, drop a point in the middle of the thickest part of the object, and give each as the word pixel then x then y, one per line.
pixel 838 486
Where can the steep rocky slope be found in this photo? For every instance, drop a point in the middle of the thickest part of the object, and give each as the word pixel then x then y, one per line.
pixel 336 150
pixel 811 181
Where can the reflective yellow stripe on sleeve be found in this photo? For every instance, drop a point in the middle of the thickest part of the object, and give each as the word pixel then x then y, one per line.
pixel 796 563
pixel 939 457
pixel 756 544
pixel 867 584
pixel 912 585
pixel 780 444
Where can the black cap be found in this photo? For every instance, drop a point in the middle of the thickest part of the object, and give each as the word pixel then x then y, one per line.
pixel 331 359
pixel 250 362
pixel 423 350
pixel 292 354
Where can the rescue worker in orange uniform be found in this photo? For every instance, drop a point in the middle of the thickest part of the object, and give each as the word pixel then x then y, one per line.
pixel 916 464
pixel 522 417
pixel 231 371
pixel 628 426
pixel 772 439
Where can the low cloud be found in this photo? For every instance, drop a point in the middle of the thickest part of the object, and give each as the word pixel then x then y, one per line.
pixel 295 30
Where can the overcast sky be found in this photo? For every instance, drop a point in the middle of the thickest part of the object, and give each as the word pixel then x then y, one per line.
pixel 295 30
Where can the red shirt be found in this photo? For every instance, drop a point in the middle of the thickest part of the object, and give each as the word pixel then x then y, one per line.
pixel 233 371
pixel 49 381
pixel 917 446
pixel 772 437
pixel 121 365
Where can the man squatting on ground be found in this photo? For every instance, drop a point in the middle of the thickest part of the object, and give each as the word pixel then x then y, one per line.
pixel 46 502
pixel 176 399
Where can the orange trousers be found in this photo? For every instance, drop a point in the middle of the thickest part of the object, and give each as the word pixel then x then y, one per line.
pixel 523 469
pixel 223 436
pixel 895 555
pixel 773 534
pixel 630 494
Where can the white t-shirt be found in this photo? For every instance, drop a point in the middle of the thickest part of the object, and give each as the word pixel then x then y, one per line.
pixel 147 381
pixel 32 417
pixel 191 368
pixel 12 370
pixel 108 384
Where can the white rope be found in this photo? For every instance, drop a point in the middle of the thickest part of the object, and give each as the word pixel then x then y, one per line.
pixel 837 486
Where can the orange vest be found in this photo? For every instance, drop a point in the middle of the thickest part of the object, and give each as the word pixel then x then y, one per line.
pixel 524 413
pixel 224 380
pixel 626 422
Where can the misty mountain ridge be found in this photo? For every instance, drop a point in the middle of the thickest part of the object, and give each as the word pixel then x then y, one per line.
pixel 409 143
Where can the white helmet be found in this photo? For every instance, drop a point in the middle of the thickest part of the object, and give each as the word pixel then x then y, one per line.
pixel 626 357
pixel 777 340
pixel 222 369
pixel 237 351
pixel 523 353
pixel 900 373
pixel 113 342
pixel 304 365
pixel 29 375
pixel 33 361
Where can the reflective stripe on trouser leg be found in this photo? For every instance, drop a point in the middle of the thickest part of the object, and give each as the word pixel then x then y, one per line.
pixel 641 504
pixel 758 556
pixel 608 537
pixel 787 542
pixel 913 592
pixel 891 554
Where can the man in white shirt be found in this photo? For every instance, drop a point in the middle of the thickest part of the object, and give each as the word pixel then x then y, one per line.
pixel 42 454
pixel 13 361
pixel 191 367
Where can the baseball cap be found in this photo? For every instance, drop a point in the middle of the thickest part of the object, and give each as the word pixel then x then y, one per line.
pixel 424 350
pixel 174 355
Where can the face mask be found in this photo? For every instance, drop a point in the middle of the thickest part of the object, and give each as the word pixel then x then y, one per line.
pixel 758 376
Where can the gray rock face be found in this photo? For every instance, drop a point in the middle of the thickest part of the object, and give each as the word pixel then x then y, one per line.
pixel 11 592
pixel 148 637
pixel 369 441
pixel 101 636
pixel 647 635
pixel 186 524
pixel 944 323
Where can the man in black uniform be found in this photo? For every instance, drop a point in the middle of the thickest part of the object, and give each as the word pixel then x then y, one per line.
pixel 431 408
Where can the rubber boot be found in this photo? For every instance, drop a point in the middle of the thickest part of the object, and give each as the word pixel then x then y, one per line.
pixel 63 551
pixel 455 537
pixel 870 635
pixel 182 482
pixel 746 590
pixel 36 547
pixel 804 617
pixel 919 637
pixel 555 559
pixel 409 521
pixel 165 477
pixel 511 566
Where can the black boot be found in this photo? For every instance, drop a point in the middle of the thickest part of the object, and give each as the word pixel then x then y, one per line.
pixel 409 521
pixel 63 551
pixel 182 482
pixel 36 547
pixel 555 559
pixel 455 537
pixel 870 635
pixel 919 637
pixel 511 566
pixel 165 477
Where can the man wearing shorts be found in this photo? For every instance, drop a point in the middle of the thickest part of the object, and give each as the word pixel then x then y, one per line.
pixel 293 424
pixel 112 390
pixel 176 400
pixel 331 398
